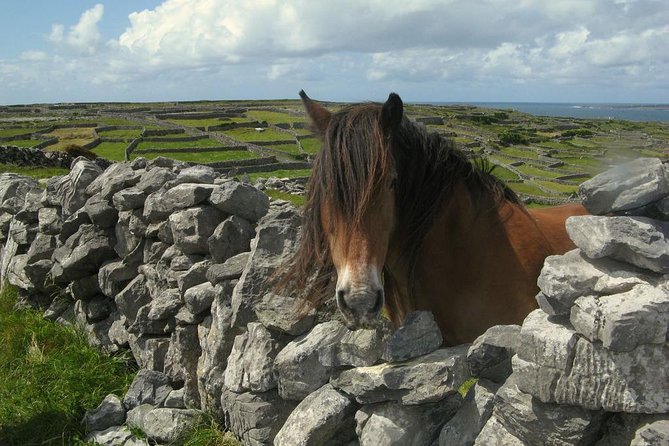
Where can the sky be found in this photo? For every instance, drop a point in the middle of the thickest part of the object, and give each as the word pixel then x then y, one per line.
pixel 611 51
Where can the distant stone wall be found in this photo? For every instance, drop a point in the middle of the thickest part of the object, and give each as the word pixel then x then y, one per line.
pixel 172 262
pixel 33 157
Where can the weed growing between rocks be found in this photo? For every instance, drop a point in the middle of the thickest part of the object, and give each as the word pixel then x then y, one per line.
pixel 49 376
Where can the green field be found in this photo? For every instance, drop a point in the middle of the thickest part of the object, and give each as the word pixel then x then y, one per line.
pixel 206 142
pixel 113 151
pixel 311 145
pixel 273 117
pixel 129 135
pixel 34 172
pixel 246 134
pixel 23 142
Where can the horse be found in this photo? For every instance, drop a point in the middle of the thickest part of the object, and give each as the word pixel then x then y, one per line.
pixel 405 221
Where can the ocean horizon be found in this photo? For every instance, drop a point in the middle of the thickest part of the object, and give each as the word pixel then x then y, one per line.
pixel 629 112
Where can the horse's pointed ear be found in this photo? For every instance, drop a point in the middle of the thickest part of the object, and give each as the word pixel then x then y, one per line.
pixel 318 114
pixel 392 111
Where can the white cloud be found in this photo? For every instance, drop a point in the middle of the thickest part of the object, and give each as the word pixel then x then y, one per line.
pixel 84 36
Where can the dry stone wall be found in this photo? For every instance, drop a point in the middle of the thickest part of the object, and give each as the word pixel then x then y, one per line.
pixel 171 262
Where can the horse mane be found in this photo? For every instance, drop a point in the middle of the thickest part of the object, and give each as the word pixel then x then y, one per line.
pixel 355 158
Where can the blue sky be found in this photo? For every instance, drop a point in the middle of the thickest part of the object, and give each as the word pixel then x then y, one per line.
pixel 346 50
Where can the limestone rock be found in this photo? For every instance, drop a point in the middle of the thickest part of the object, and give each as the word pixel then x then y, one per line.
pixel 199 298
pixel 629 186
pixel 468 422
pixel 50 221
pixel 427 379
pixel 284 314
pixel 100 212
pixel 170 425
pixel 566 277
pixel 148 387
pixel 197 174
pixel 255 418
pixel 232 268
pixel 83 253
pixel 133 297
pixel 71 189
pixel 166 305
pixel 181 361
pixel 116 177
pixel 490 355
pixel 251 362
pixel 194 275
pixel 325 417
pixel 154 178
pixel 110 412
pixel 494 433
pixel 149 351
pixel 393 423
pixel 129 199
pixel 555 365
pixel 624 321
pixel 231 237
pixel 239 199
pixel 191 228
pixel 655 433
pixel 114 276
pixel 298 369
pixel 637 240
pixel 418 335
pixel 359 348
pixel 112 436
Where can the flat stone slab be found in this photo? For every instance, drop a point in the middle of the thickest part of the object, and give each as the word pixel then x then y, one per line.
pixel 427 379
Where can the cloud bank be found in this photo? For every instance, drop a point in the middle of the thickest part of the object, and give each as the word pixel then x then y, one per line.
pixel 351 49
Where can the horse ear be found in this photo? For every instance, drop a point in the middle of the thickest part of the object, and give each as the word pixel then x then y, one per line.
pixel 318 114
pixel 392 111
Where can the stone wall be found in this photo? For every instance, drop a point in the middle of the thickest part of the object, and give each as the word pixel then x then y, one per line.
pixel 172 262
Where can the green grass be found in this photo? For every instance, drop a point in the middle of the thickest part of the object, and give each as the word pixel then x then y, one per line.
pixel 114 151
pixel 127 134
pixel 34 172
pixel 528 169
pixel 519 152
pixel 201 156
pixel 558 187
pixel 205 142
pixel 504 174
pixel 15 132
pixel 49 376
pixel 22 142
pixel 209 433
pixel 273 117
pixel 527 187
pixel 297 200
pixel 246 134
pixel 311 145
pixel 293 149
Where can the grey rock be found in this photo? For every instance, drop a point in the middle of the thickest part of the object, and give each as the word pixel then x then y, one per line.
pixel 195 275
pixel 126 240
pixel 133 297
pixel 72 223
pixel 112 436
pixel 163 231
pixel 255 418
pixel 166 305
pixel 556 365
pixel 298 369
pixel 50 221
pixel 197 174
pixel 216 337
pixel 490 355
pixel 83 253
pixel 85 288
pixel 163 202
pixel 621 427
pixel 427 379
pixel 288 315
pixel 418 335
pixel 13 185
pixel 624 321
pixel 239 199
pixel 161 161
pixel 467 423
pixel 98 309
pixel 494 433
pixel 629 186
pixel 100 212
pixel 148 387
pixel 153 179
pixel 110 412
pixel 325 417
pixel 191 228
pixel 359 348
pixel 230 269
pixel 199 298
pixel 42 248
pixel 185 317
pixel 117 333
pixel 154 250
pixel 566 277
pixel 185 262
pixel 534 422
pixel 149 351
pixel 655 433
pixel 231 237
pixel 393 423
pixel 70 190
pixel 274 244
pixel 114 276
pixel 58 306
pixel 181 361
pixel 251 362
pixel 170 425
pixel 637 240
pixel 116 177
pixel 175 399
pixel 129 199
pixel 144 325
pixel 135 416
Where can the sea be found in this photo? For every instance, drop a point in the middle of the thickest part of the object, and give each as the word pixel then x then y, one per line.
pixel 629 112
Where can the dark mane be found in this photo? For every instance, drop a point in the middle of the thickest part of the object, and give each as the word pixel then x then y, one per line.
pixel 355 158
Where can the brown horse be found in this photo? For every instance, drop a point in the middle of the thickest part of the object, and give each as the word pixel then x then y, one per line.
pixel 407 221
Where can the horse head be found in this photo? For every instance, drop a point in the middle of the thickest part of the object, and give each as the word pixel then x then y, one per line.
pixel 353 194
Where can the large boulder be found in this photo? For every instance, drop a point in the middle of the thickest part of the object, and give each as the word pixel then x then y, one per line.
pixel 70 190
pixel 230 238
pixel 240 199
pixel 83 253
pixel 191 228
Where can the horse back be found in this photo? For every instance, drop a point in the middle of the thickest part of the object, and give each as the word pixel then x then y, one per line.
pixel 551 222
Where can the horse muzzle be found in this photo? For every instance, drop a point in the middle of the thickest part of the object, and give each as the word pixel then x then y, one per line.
pixel 360 308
